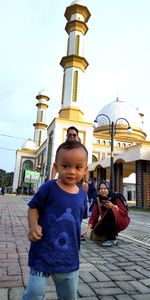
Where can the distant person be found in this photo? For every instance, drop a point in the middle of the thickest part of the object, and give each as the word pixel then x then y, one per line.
pixel 92 193
pixel 18 191
pixel 72 134
pixel 109 215
pixel 30 190
pixel 3 190
pixel 54 216
pixel 25 190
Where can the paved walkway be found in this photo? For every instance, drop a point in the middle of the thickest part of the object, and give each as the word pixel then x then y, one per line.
pixel 121 272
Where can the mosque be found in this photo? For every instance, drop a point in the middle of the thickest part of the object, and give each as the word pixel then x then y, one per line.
pixel 131 152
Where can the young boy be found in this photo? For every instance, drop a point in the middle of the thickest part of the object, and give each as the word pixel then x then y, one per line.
pixel 54 216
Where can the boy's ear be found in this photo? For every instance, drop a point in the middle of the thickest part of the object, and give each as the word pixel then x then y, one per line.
pixel 55 166
pixel 86 171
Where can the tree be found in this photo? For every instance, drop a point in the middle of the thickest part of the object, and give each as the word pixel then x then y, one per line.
pixel 6 178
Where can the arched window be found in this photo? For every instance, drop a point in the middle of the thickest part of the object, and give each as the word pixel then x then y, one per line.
pixel 68 46
pixel 75 85
pixel 63 88
pixel 41 117
pixel 28 165
pixel 77 41
pixel 40 135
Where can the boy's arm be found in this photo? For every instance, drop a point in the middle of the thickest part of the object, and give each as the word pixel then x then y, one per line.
pixel 35 230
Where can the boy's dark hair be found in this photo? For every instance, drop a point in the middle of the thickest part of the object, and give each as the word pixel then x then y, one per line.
pixel 73 128
pixel 69 145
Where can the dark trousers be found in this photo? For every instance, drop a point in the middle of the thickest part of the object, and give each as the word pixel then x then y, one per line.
pixel 107 227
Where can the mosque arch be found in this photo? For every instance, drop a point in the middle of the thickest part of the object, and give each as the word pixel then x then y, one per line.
pixel 94 158
pixel 28 165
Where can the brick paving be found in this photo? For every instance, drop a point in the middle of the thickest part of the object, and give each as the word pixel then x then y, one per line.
pixel 121 272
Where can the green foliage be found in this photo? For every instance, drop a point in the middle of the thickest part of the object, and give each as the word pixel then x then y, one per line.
pixel 139 209
pixel 6 178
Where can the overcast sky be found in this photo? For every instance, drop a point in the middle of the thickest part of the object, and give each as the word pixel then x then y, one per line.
pixel 33 41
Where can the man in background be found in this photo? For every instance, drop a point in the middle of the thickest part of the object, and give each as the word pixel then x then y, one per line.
pixel 72 134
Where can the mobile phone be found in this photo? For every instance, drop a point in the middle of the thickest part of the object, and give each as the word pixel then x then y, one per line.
pixel 102 198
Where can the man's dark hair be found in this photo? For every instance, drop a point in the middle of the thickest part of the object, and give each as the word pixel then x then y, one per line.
pixel 69 145
pixel 73 128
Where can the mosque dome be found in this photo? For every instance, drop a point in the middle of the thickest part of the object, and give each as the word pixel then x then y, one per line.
pixel 29 145
pixel 122 114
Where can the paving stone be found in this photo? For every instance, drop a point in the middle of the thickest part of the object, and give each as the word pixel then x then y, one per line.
pixel 100 276
pixel 124 297
pixel 143 297
pixel 90 298
pixel 87 277
pixel 126 287
pixel 3 294
pixel 135 274
pixel 119 275
pixel 109 291
pixel 15 293
pixel 145 282
pixel 107 298
pixel 51 296
pixel 140 287
pixel 85 290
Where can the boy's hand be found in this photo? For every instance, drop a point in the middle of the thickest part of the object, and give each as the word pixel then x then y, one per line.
pixel 35 233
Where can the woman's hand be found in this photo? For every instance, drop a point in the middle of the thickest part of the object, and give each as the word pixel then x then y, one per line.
pixel 35 233
pixel 87 229
pixel 108 204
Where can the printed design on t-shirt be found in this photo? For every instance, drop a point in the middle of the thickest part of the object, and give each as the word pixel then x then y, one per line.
pixel 59 239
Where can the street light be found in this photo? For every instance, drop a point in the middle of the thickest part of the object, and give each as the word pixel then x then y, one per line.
pixel 112 131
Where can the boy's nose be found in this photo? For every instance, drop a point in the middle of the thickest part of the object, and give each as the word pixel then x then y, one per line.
pixel 72 171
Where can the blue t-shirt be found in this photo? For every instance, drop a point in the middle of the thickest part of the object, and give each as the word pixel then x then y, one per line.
pixel 60 216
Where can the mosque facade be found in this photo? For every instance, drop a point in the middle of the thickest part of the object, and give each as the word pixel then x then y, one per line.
pixel 131 152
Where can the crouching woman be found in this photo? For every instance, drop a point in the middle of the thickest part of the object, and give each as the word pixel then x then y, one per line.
pixel 109 215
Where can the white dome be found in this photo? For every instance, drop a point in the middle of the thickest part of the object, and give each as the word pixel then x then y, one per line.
pixel 42 93
pixel 80 2
pixel 29 145
pixel 118 110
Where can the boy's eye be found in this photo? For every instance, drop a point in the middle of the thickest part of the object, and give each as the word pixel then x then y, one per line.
pixel 64 166
pixel 78 167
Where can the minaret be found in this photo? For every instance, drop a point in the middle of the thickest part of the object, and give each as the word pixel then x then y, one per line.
pixel 74 64
pixel 40 125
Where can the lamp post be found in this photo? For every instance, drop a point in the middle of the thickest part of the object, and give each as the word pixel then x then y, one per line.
pixel 112 131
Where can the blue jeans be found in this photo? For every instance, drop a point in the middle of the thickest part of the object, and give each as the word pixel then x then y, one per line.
pixel 66 286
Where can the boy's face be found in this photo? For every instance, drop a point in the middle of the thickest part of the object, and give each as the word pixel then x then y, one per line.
pixel 71 165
